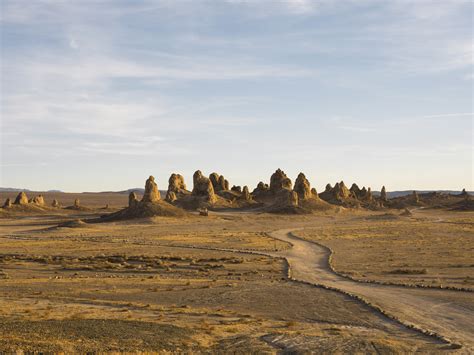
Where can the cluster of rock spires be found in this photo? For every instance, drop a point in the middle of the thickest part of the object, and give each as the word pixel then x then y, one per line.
pixel 281 196
pixel 22 200
pixel 214 192
pixel 35 202
pixel 203 187
pixel 219 182
pixel 150 205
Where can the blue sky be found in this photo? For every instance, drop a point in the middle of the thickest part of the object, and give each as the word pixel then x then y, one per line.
pixel 97 95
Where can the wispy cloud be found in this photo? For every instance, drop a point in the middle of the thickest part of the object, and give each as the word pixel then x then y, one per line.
pixel 180 79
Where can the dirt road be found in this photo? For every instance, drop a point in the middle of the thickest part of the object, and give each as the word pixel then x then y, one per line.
pixel 447 313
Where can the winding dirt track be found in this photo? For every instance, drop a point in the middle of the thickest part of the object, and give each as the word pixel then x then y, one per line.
pixel 447 313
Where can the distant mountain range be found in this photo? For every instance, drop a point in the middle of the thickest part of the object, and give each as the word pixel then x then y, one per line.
pixel 393 194
pixel 13 189
pixel 140 191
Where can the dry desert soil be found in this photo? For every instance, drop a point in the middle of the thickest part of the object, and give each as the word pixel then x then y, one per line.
pixel 336 281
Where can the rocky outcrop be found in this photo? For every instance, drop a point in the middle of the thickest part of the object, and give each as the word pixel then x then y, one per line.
pixel 8 203
pixel 355 191
pixel 203 187
pixel 219 183
pixel 237 189
pixel 214 177
pixel 150 206
pixel 38 200
pixel 55 204
pixel 132 200
pixel 293 199
pixel 176 188
pixel 361 194
pixel 261 188
pixel 171 196
pixel 21 199
pixel 77 203
pixel 279 181
pixel 341 191
pixel 314 193
pixel 354 197
pixel 302 187
pixel 151 193
pixel 415 197
pixel 337 193
pixel 246 194
pixel 368 195
pixel 176 183
pixel 287 202
pixel 383 194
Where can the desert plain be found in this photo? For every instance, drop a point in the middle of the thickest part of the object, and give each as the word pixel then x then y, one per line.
pixel 272 271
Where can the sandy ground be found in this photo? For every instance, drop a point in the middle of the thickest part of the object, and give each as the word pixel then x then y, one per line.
pixel 207 284
pixel 447 313
pixel 430 248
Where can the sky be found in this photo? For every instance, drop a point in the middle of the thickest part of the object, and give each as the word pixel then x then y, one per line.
pixel 98 95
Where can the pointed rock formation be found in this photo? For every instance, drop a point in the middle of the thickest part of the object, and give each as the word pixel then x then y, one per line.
pixel 151 191
pixel 21 199
pixel 132 200
pixel 314 193
pixel 355 190
pixel 176 188
pixel 236 189
pixel 369 196
pixel 203 187
pixel 302 187
pixel 383 194
pixel 261 188
pixel 77 203
pixel 214 177
pixel 279 181
pixel 38 200
pixel 56 204
pixel 246 194
pixel 341 191
pixel 176 183
pixel 8 203
pixel 221 184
